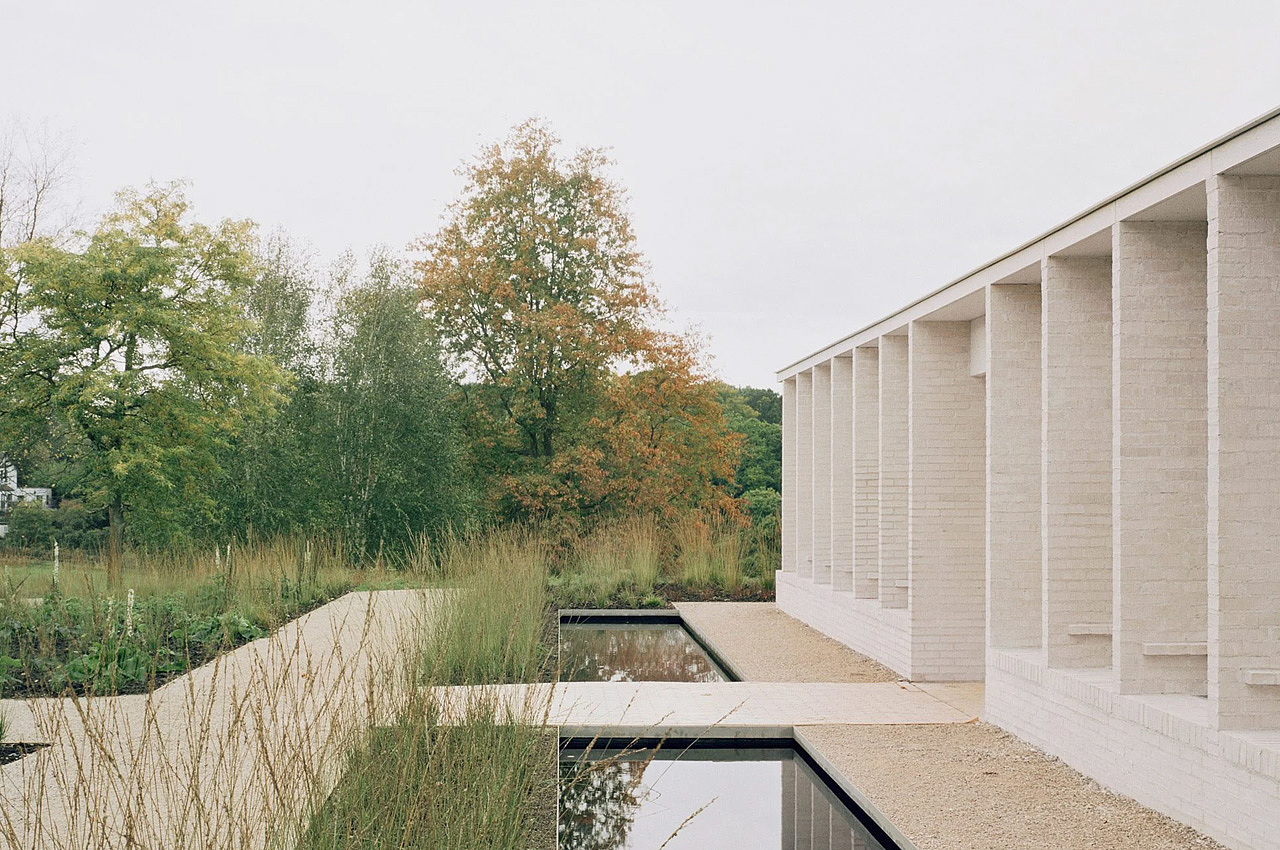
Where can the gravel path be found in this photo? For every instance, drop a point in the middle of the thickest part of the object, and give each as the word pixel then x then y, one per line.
pixel 971 786
pixel 965 786
pixel 766 645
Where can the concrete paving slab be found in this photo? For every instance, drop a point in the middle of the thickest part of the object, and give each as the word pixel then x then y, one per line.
pixel 228 756
pixel 661 706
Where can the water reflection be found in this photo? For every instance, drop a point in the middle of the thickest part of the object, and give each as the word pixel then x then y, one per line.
pixel 630 652
pixel 701 800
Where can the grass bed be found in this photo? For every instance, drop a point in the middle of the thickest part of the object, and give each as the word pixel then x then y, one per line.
pixel 63 632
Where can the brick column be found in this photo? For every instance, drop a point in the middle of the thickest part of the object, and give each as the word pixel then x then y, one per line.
pixel 866 483
pixel 804 475
pixel 947 506
pixel 1076 418
pixel 788 805
pixel 804 794
pixel 822 473
pixel 1244 451
pixel 842 473
pixel 1159 414
pixel 1014 574
pixel 892 499
pixel 789 475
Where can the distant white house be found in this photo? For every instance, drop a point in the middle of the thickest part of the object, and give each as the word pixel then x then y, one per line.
pixel 11 494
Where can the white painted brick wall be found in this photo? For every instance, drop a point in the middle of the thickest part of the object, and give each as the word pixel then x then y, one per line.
pixel 1014 575
pixel 892 501
pixel 804 475
pixel 947 505
pixel 866 459
pixel 1151 748
pixel 842 473
pixel 1076 420
pixel 822 473
pixel 1244 448
pixel 1160 460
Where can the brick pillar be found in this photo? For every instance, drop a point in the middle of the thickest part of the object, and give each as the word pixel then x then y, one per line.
pixel 1014 574
pixel 841 834
pixel 866 483
pixel 804 475
pixel 789 475
pixel 821 819
pixel 804 795
pixel 1244 451
pixel 1159 416
pixel 822 473
pixel 788 805
pixel 893 471
pixel 947 506
pixel 842 473
pixel 1076 418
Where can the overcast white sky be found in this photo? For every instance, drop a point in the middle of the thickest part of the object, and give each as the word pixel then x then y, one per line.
pixel 796 169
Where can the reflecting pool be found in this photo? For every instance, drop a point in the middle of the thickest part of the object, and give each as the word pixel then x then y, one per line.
pixel 701 799
pixel 633 652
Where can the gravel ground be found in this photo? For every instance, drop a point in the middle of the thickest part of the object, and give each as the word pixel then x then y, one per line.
pixel 768 646
pixel 965 786
pixel 971 786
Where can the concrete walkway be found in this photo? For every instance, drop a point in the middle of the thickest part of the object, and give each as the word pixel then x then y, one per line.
pixel 231 755
pixel 227 756
pixel 750 708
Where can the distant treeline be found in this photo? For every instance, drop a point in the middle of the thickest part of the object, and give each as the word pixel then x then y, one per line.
pixel 178 383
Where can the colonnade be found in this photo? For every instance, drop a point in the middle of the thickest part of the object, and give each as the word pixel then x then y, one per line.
pixel 1083 461
pixel 1061 474
pixel 812 817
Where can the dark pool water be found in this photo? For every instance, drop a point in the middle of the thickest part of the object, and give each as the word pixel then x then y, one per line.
pixel 708 799
pixel 633 652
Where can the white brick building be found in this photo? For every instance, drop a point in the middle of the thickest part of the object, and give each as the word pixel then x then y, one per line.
pixel 1061 474
pixel 11 494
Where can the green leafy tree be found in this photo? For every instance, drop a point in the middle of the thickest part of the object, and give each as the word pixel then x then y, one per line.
pixel 765 402
pixel 271 483
pixel 761 463
pixel 131 348
pixel 390 442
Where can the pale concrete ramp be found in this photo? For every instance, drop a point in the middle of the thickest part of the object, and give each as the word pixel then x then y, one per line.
pixel 228 756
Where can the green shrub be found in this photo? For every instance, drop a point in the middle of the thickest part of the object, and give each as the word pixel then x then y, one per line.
pixel 33 527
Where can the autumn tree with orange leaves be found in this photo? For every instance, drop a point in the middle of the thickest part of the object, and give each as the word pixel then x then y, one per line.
pixel 578 405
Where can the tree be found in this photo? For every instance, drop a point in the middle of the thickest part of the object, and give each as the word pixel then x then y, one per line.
pixel 131 349
pixel 761 464
pixel 391 442
pixel 271 483
pixel 542 299
pixel 765 402
pixel 35 167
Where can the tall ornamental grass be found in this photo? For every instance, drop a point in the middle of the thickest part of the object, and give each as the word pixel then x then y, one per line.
pixel 63 630
pixel 494 628
pixel 472 768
